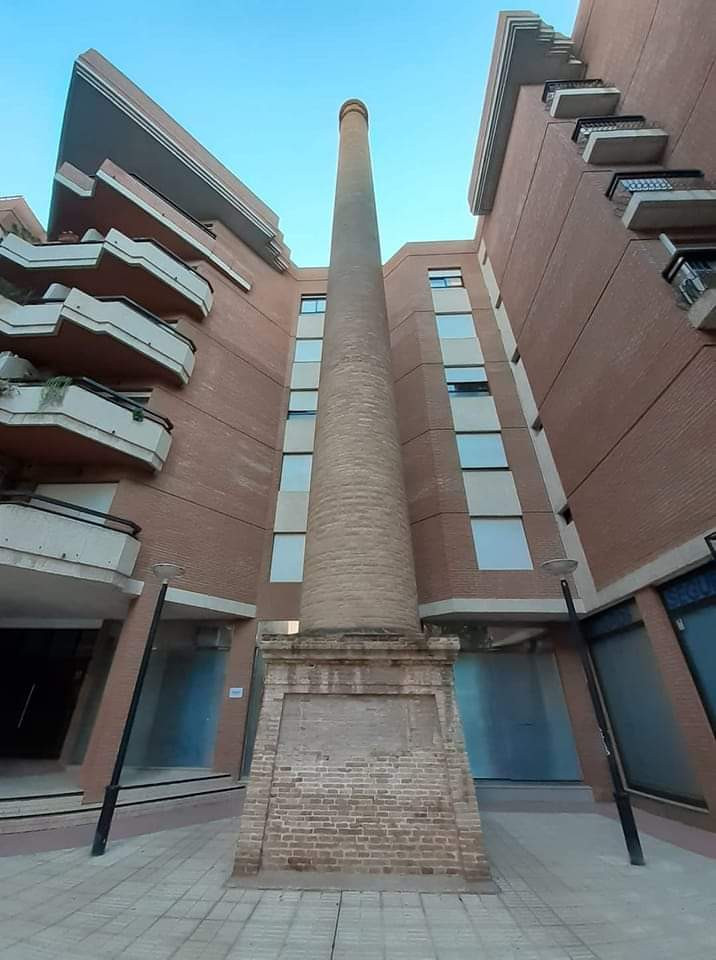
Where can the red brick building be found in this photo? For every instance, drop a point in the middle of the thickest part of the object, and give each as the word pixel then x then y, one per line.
pixel 160 383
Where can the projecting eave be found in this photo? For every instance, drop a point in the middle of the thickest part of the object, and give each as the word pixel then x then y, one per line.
pixel 108 117
pixel 526 51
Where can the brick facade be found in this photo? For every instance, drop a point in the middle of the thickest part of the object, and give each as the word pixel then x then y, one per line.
pixel 359 765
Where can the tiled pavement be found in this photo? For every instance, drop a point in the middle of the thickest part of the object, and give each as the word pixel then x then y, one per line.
pixel 566 894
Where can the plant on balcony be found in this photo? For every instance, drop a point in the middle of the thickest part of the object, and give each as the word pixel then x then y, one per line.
pixel 7 387
pixel 53 391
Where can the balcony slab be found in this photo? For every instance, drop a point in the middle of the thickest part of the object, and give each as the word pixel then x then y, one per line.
pixel 625 146
pixel 65 335
pixel 584 102
pixel 670 209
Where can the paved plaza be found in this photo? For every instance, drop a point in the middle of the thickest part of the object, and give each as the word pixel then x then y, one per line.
pixel 565 894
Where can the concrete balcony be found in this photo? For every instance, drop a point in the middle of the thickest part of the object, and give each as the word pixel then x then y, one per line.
pixel 691 272
pixel 625 146
pixel 670 210
pixel 104 337
pixel 58 558
pixel 87 423
pixel 115 198
pixel 114 265
pixel 585 101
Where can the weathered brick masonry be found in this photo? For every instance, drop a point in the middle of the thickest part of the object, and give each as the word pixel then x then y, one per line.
pixel 359 764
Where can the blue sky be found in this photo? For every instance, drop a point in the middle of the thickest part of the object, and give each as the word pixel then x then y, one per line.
pixel 259 84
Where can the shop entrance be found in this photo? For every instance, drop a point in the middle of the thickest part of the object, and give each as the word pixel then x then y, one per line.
pixel 41 678
pixel 513 712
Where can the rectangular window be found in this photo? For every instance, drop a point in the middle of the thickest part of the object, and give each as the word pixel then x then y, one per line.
pixel 313 305
pixel 500 543
pixel 302 403
pixel 481 451
pixel 445 278
pixel 296 471
pixel 466 380
pixel 455 326
pixel 308 351
pixel 648 738
pixel 287 558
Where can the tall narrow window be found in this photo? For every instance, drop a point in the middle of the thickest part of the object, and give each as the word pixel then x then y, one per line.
pixel 308 351
pixel 302 403
pixel 287 557
pixel 481 451
pixel 445 278
pixel 296 471
pixel 313 304
pixel 500 543
pixel 466 380
pixel 455 326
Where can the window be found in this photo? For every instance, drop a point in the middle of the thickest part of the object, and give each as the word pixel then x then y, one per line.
pixel 466 380
pixel 302 403
pixel 647 735
pixel 296 471
pixel 481 451
pixel 308 351
pixel 313 305
pixel 287 558
pixel 566 514
pixel 455 326
pixel 500 543
pixel 445 278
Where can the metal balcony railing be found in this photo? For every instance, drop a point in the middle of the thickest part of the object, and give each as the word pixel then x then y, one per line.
pixel 586 125
pixel 138 411
pixel 553 86
pixel 36 501
pixel 135 306
pixel 623 185
pixel 691 272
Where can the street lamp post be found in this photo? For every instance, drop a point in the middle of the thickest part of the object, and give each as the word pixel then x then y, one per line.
pixel 165 572
pixel 562 568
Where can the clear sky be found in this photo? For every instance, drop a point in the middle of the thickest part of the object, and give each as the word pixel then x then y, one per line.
pixel 259 83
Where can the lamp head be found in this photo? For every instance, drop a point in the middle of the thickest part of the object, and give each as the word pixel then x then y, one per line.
pixel 167 571
pixel 561 567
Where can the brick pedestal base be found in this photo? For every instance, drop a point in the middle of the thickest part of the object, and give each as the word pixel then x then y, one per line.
pixel 359 773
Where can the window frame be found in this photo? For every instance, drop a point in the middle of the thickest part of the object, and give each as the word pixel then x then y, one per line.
pixel 439 278
pixel 481 433
pixel 315 298
pixel 477 518
pixel 312 340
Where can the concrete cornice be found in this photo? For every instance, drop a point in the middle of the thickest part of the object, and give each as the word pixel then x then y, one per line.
pixel 427 248
pixel 526 51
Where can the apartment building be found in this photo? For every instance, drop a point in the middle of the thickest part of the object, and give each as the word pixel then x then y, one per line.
pixel 160 384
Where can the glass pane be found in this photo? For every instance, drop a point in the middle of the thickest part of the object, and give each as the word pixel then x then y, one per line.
pixel 650 744
pixel 308 351
pixel 296 471
pixel 287 558
pixel 453 282
pixel 303 400
pixel 481 450
pixel 454 326
pixel 464 374
pixel 501 544
pixel 438 282
pixel 313 305
pixel 514 717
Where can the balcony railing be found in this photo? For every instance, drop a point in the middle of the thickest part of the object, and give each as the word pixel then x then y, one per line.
pixel 634 181
pixel 553 86
pixel 172 203
pixel 586 125
pixel 691 271
pixel 96 518
pixel 138 411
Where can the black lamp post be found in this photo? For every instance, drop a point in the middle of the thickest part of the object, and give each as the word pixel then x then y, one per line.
pixel 562 568
pixel 165 572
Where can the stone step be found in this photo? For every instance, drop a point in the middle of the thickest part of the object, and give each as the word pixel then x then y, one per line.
pixel 69 804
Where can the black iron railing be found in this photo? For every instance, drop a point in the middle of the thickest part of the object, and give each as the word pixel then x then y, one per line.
pixel 634 181
pixel 691 271
pixel 586 125
pixel 138 308
pixel 106 393
pixel 181 210
pixel 36 501
pixel 554 86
